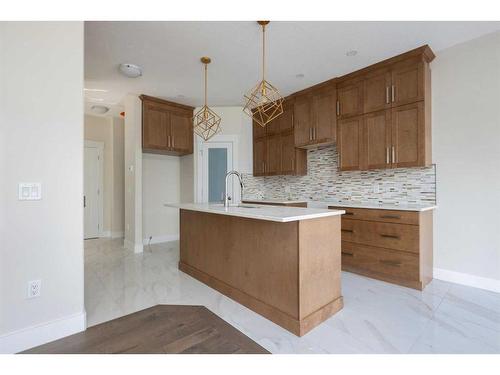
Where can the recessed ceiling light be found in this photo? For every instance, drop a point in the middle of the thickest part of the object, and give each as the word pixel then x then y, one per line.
pixel 300 75
pixel 100 109
pixel 351 53
pixel 180 96
pixel 131 70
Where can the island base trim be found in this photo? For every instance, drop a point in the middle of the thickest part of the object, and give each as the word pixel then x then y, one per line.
pixel 297 327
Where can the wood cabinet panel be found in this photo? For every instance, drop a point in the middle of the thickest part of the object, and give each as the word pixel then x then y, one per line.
pixel 324 117
pixel 408 83
pixel 350 99
pixel 155 129
pixel 302 121
pixel 286 119
pixel 273 127
pixel 387 235
pixel 377 91
pixel 181 133
pixel 259 156
pixel 377 139
pixel 273 162
pixel 408 135
pixel 349 143
pixel 386 216
pixel 258 131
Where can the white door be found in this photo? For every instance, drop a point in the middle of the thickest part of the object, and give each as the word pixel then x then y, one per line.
pixel 217 160
pixel 91 192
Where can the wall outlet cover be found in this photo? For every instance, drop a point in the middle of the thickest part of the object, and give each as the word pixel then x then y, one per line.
pixel 34 288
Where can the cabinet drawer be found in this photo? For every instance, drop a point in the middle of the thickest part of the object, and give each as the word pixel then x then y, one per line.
pixel 387 235
pixel 371 260
pixel 386 216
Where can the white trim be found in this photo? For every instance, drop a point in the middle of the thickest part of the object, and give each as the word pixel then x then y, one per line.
pixel 109 234
pixel 26 338
pixel 136 248
pixel 160 239
pixel 105 234
pixel 467 279
pixel 100 198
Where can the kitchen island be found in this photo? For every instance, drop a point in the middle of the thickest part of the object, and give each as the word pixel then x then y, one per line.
pixel 281 262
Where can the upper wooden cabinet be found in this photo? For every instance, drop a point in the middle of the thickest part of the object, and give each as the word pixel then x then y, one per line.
pixel 349 143
pixel 274 151
pixel 167 127
pixel 396 129
pixel 314 118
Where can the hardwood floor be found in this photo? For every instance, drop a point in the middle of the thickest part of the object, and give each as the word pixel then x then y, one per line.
pixel 160 329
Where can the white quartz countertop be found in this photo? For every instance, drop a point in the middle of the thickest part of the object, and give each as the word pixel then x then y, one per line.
pixel 280 214
pixel 381 206
pixel 273 201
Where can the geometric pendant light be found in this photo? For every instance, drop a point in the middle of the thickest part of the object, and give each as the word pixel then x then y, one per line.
pixel 264 102
pixel 206 123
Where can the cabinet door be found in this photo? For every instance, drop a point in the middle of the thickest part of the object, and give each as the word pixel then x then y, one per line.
pixel 377 139
pixel 287 154
pixel 155 127
pixel 377 91
pixel 408 136
pixel 273 162
pixel 325 119
pixel 258 131
pixel 349 143
pixel 273 127
pixel 286 119
pixel 408 83
pixel 259 156
pixel 181 134
pixel 350 99
pixel 302 121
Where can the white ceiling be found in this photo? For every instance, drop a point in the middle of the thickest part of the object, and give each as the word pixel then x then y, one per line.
pixel 169 54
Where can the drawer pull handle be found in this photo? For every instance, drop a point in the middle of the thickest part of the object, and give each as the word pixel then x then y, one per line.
pixel 347 254
pixel 393 263
pixel 389 236
pixel 347 230
pixel 390 217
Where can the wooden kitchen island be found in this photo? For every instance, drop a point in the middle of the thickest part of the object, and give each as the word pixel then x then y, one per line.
pixel 281 262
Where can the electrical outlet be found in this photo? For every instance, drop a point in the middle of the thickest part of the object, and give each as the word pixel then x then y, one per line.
pixel 34 287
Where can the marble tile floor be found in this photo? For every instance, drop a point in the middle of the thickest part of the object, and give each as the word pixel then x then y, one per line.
pixel 377 317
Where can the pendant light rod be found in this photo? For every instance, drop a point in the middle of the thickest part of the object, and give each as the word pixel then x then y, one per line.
pixel 263 24
pixel 206 60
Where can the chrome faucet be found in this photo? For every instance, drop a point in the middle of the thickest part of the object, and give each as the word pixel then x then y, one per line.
pixel 227 198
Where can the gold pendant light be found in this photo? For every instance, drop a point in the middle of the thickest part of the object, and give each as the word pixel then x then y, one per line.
pixel 206 123
pixel 264 102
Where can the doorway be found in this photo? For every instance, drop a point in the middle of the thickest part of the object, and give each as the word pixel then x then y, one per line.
pixel 215 158
pixel 92 190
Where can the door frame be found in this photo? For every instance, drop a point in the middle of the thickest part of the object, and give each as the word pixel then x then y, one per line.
pixel 198 180
pixel 100 183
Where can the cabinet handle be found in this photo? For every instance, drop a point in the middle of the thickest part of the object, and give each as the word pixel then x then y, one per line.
pixel 393 263
pixel 394 155
pixel 338 108
pixel 387 95
pixel 393 93
pixel 172 140
pixel 347 230
pixel 314 133
pixel 390 217
pixel 84 201
pixel 387 155
pixel 390 236
pixel 310 134
pixel 347 254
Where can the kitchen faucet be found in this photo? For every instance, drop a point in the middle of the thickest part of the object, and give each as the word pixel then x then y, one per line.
pixel 226 196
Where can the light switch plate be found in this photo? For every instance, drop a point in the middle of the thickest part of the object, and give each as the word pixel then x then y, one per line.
pixel 31 191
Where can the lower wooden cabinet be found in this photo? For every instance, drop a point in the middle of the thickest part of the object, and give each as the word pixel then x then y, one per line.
pixel 389 245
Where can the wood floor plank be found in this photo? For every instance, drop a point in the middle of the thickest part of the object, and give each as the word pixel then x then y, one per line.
pixel 160 329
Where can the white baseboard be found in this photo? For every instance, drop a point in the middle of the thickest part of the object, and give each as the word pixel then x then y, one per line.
pixel 105 234
pixel 135 247
pixel 467 279
pixel 26 338
pixel 110 234
pixel 160 239
pixel 117 234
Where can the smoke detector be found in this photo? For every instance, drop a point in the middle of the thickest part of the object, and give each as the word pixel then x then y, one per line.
pixel 130 70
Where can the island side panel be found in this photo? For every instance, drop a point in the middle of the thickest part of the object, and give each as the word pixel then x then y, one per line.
pixel 320 293
pixel 252 261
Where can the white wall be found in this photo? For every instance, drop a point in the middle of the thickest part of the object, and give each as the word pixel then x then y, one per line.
pixel 466 149
pixel 133 173
pixel 41 133
pixel 118 211
pixel 160 185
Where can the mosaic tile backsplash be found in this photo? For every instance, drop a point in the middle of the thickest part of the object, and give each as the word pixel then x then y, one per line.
pixel 325 183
